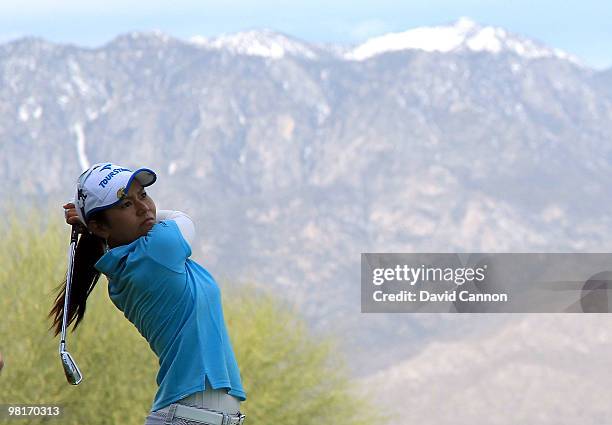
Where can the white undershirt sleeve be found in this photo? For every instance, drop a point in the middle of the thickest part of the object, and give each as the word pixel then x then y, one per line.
pixel 182 220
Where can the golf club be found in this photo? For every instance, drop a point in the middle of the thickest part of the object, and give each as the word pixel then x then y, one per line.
pixel 73 374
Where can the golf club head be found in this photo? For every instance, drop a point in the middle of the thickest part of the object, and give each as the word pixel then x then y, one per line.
pixel 73 374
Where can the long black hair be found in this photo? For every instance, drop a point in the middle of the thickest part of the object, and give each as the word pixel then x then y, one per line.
pixel 88 251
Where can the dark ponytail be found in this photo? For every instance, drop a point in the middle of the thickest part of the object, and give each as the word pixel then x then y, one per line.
pixel 88 251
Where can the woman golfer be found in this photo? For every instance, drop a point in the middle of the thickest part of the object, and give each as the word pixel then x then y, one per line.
pixel 173 301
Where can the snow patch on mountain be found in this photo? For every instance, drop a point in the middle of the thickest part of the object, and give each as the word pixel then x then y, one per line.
pixel 80 142
pixel 463 35
pixel 265 43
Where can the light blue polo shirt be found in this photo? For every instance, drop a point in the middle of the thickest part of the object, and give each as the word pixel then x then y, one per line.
pixel 176 306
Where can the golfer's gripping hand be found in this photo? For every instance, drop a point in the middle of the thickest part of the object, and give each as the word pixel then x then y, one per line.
pixel 72 217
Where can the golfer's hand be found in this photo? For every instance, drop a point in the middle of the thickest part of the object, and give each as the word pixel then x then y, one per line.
pixel 72 217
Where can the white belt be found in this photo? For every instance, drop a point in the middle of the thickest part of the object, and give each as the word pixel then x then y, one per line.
pixel 204 415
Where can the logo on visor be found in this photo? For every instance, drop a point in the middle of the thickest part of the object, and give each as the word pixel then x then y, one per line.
pixel 121 193
pixel 81 198
pixel 110 175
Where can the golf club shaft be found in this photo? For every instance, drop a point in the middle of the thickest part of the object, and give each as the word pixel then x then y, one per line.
pixel 73 241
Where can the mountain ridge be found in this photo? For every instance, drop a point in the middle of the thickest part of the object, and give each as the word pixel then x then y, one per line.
pixel 462 35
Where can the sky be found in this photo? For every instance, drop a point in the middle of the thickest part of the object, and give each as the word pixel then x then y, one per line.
pixel 581 28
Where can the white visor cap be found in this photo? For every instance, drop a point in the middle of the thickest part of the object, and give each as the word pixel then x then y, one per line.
pixel 104 185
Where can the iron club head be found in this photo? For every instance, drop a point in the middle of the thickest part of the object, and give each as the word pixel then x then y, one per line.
pixel 73 374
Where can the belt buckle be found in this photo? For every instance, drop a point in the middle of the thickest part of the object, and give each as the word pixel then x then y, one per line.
pixel 240 419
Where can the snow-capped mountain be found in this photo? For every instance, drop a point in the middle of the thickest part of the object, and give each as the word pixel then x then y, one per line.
pixel 460 36
pixel 464 34
pixel 265 43
pixel 291 168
